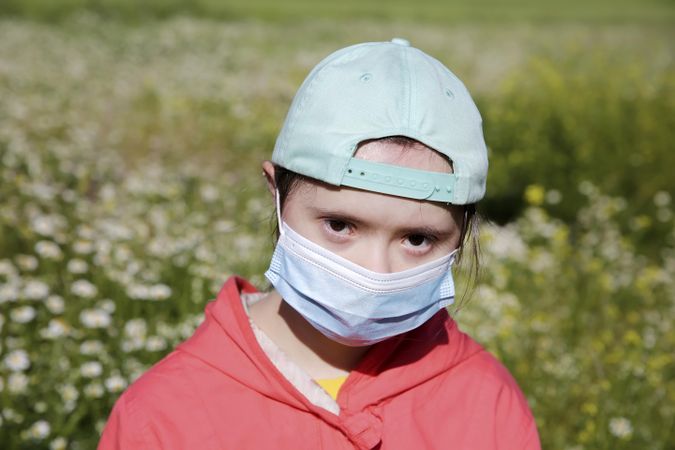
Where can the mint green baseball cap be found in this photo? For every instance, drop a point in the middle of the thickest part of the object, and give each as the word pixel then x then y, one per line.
pixel 379 89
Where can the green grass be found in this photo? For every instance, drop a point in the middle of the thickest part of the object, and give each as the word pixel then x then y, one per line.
pixel 434 11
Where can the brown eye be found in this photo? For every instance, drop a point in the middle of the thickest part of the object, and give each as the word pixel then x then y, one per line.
pixel 416 240
pixel 337 225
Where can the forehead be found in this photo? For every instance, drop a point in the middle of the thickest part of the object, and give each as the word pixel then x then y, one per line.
pixel 415 155
pixel 368 204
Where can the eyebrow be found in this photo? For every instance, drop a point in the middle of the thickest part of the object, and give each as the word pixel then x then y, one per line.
pixel 346 217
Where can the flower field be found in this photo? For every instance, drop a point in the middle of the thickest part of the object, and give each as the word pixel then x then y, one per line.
pixel 130 189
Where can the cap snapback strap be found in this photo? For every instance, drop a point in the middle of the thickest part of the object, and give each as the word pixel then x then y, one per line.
pixel 399 181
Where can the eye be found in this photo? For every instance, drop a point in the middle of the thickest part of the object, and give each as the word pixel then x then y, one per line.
pixel 419 243
pixel 336 226
pixel 417 239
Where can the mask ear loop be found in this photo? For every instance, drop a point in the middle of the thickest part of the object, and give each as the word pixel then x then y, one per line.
pixel 277 201
pixel 453 256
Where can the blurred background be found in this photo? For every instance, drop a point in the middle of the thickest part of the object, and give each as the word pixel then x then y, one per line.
pixel 131 137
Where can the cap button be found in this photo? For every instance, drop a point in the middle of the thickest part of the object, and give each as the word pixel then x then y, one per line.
pixel 401 41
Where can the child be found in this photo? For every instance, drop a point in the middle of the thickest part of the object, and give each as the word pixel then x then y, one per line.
pixel 375 174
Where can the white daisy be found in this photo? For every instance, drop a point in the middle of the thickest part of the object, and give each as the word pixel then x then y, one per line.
pixel 48 250
pixel 160 292
pixel 35 290
pixel 155 344
pixel 115 383
pixel 83 247
pixel 55 304
pixel 91 347
pixel 95 318
pixel 94 390
pixel 17 360
pixel 55 329
pixel 91 369
pixel 27 262
pixel 68 393
pixel 83 288
pixel 135 328
pixel 9 292
pixel 620 427
pixel 17 382
pixel 39 430
pixel 60 443
pixel 77 266
pixel 22 314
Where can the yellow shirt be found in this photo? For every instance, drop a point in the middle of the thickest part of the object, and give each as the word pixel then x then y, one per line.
pixel 332 385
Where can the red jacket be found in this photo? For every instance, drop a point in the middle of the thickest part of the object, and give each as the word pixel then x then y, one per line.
pixel 431 388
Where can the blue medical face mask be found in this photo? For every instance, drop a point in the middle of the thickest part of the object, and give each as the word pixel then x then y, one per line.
pixel 350 304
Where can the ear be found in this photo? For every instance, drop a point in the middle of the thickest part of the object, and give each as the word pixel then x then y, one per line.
pixel 268 172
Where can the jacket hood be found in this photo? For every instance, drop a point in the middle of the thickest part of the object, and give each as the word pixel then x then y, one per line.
pixel 386 370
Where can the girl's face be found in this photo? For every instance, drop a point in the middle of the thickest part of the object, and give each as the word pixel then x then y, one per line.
pixel 379 232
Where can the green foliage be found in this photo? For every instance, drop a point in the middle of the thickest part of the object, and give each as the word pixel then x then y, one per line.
pixel 585 115
pixel 577 314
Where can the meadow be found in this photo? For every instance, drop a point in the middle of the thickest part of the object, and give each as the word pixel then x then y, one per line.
pixel 130 190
